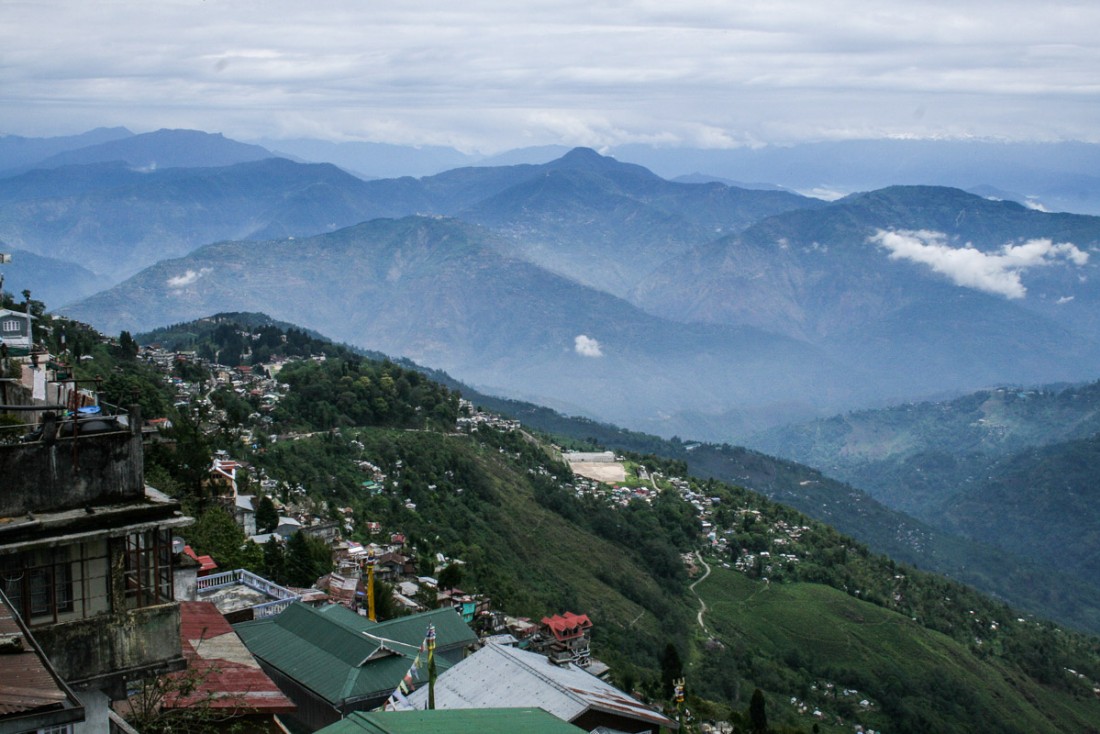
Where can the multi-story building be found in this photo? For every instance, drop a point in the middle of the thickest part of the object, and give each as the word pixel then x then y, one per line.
pixel 86 555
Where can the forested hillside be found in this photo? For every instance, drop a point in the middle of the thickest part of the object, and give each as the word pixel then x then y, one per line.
pixel 537 540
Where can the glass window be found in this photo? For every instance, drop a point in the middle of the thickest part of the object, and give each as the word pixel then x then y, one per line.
pixel 148 568
pixel 39 584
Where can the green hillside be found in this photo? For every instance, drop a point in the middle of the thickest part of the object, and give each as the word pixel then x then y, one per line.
pixel 855 661
pixel 927 654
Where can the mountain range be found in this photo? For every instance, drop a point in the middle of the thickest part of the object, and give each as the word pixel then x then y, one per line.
pixel 595 286
pixel 1012 468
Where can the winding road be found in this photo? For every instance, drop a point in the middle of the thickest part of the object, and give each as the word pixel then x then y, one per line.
pixel 702 604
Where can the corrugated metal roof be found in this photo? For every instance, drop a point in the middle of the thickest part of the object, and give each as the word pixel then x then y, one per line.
pixel 327 651
pixel 454 721
pixel 499 676
pixel 227 671
pixel 27 684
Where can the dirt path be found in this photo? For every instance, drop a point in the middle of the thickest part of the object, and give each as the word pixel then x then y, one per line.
pixel 702 604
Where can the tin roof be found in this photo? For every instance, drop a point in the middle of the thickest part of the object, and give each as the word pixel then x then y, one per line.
pixel 453 721
pixel 500 676
pixel 29 687
pixel 229 677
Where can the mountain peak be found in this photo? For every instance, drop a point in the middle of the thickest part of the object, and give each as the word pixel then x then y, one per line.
pixel 587 159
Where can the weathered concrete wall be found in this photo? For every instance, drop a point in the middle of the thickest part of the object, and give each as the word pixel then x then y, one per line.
pixel 101 650
pixel 104 469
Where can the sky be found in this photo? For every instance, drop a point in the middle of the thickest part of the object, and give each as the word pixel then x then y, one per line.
pixel 485 76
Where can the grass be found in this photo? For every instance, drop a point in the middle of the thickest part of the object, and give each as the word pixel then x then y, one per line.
pixel 819 634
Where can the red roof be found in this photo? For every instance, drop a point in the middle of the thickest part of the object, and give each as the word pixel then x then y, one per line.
pixel 229 677
pixel 206 562
pixel 568 625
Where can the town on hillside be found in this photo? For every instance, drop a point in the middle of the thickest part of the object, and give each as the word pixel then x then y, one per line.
pixel 276 609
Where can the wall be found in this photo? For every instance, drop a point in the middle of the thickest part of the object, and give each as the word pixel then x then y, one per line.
pixel 105 468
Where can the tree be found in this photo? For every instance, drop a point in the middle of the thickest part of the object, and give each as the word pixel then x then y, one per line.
pixel 274 567
pixel 127 347
pixel 672 669
pixel 450 577
pixel 307 559
pixel 267 517
pixel 216 533
pixel 758 717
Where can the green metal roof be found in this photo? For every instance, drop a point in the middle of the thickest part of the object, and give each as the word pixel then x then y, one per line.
pixel 326 649
pixel 452 721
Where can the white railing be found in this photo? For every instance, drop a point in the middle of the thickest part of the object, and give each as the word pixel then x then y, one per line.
pixel 281 596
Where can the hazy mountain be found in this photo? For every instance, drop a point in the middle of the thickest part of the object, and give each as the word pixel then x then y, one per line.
pixel 54 282
pixel 162 149
pixel 1011 468
pixel 18 152
pixel 117 220
pixel 444 294
pixel 609 224
pixel 1059 176
pixel 373 160
pixel 915 283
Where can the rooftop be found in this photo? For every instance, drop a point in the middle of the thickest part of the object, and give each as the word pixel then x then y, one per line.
pixel 497 676
pixel 454 721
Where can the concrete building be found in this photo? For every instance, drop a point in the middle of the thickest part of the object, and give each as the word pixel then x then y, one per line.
pixel 86 557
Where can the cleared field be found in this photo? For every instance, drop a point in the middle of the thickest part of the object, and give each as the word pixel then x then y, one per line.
pixel 602 471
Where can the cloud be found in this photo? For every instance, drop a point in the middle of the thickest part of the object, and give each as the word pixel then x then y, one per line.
pixel 998 272
pixel 492 74
pixel 188 278
pixel 587 346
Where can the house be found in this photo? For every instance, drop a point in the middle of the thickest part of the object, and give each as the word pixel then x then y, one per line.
pixel 331 661
pixel 287 527
pixel 569 637
pixel 16 331
pixel 244 512
pixel 498 676
pixel 453 721
pixel 86 556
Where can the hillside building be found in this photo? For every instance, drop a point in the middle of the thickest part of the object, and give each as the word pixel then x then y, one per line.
pixel 86 555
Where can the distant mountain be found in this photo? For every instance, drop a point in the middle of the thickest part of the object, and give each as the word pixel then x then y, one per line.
pixel 162 149
pixel 448 294
pixel 54 282
pixel 609 224
pixel 1058 176
pixel 1011 468
pixel 914 283
pixel 117 220
pixel 1042 503
pixel 20 153
pixel 373 160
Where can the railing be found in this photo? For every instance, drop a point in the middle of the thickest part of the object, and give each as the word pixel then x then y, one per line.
pixel 272 608
pixel 282 597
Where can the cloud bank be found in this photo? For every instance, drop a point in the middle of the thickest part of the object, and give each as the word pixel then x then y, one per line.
pixel 998 272
pixel 587 346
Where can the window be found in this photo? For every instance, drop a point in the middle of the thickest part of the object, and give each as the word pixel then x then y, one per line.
pixel 39 584
pixel 147 576
pixel 12 326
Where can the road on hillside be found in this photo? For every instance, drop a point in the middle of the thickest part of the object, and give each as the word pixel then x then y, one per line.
pixel 702 604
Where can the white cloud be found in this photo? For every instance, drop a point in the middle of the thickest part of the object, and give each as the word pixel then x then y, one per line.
pixel 188 278
pixel 997 272
pixel 587 346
